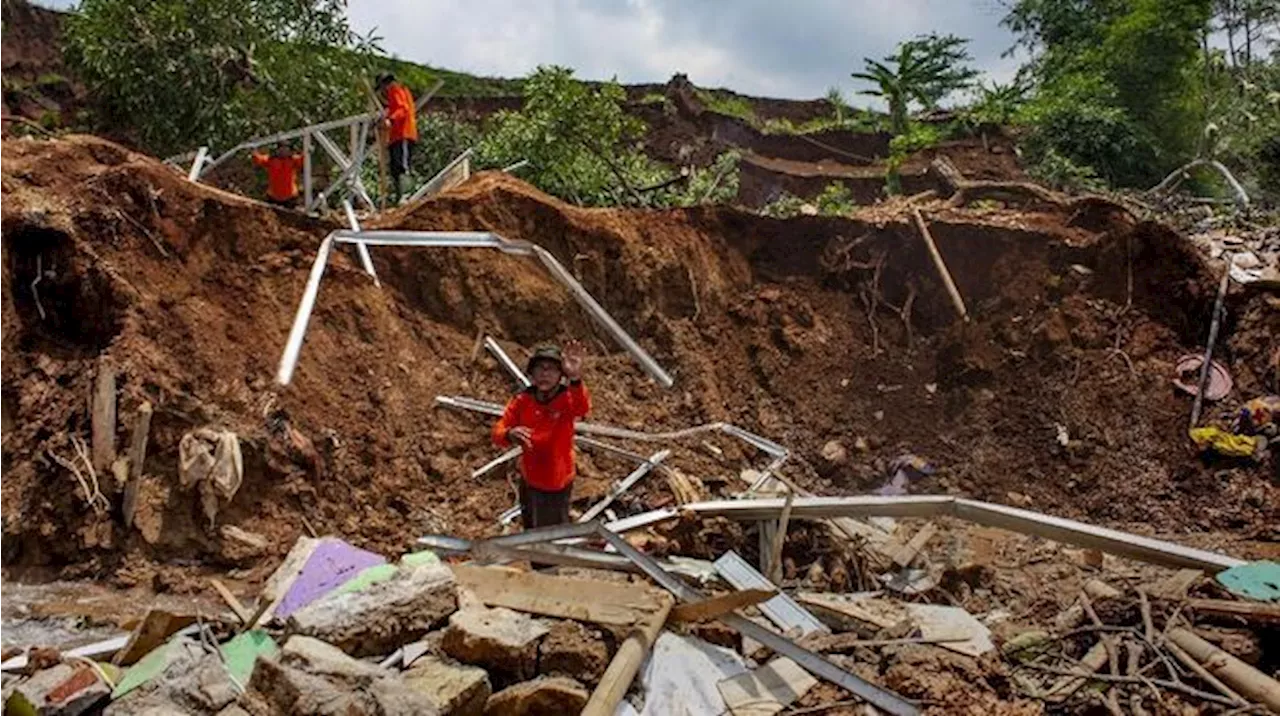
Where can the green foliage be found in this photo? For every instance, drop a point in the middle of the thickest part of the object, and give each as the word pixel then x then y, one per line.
pixel 180 73
pixel 728 103
pixel 996 104
pixel 1076 117
pixel 784 207
pixel 1061 173
pixel 441 139
pixel 839 106
pixel 654 98
pixel 902 146
pixel 855 120
pixel 835 200
pixel 456 84
pixel 923 72
pixel 1115 82
pixel 715 184
pixel 579 141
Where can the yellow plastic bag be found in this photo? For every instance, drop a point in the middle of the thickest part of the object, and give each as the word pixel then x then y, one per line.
pixel 1223 442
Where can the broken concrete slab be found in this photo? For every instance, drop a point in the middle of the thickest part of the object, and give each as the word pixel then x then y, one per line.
pixel 370 576
pixel 154 629
pixel 179 650
pixel 330 564
pixel 544 696
pixel 342 687
pixel 64 690
pixel 192 684
pixel 574 650
pixel 384 616
pixel 500 640
pixel 455 689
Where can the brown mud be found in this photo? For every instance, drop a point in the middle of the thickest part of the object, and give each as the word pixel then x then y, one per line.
pixel 775 325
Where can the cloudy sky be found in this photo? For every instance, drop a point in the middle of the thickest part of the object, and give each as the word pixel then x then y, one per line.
pixel 775 48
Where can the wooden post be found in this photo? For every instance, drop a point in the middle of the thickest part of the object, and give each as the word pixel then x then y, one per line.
pixel 622 670
pixel 941 265
pixel 306 170
pixel 1251 683
pixel 780 539
pixel 103 418
pixel 1205 368
pixel 137 456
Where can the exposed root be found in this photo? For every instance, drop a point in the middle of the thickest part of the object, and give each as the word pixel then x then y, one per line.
pixel 92 494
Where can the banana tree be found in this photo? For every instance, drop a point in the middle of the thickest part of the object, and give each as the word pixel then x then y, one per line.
pixel 922 72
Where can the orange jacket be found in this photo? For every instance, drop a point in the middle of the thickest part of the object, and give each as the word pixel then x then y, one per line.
pixel 402 113
pixel 547 464
pixel 282 174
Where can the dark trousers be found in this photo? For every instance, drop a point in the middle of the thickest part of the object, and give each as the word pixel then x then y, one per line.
pixel 401 155
pixel 539 508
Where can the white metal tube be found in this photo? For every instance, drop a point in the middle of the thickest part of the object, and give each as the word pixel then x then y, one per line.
pixel 287 135
pixel 505 361
pixel 432 185
pixel 198 164
pixel 602 317
pixel 341 160
pixel 361 249
pixel 306 171
pixel 294 345
pixel 625 485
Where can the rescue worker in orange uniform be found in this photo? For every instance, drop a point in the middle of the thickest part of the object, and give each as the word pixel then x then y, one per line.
pixel 282 174
pixel 541 421
pixel 401 119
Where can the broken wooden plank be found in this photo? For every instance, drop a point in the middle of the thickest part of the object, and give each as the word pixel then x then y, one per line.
pixel 1248 681
pixel 1257 612
pixel 766 690
pixel 908 552
pixel 844 643
pixel 626 662
pixel 584 600
pixel 782 609
pixel 865 608
pixel 231 601
pixel 103 418
pixel 714 607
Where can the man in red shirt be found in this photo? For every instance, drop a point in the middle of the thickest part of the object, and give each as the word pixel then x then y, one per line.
pixel 400 116
pixel 282 174
pixel 541 420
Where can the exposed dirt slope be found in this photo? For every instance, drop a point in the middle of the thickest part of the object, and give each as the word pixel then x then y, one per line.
pixel 763 322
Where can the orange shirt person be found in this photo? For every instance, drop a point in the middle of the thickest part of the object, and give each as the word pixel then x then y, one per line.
pixel 282 175
pixel 541 420
pixel 401 120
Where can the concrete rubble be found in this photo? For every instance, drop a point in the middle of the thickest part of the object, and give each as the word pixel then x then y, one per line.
pixel 500 640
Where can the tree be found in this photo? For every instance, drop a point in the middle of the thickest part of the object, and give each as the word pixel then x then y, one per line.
pixel 179 73
pixel 1115 85
pixel 578 139
pixel 923 71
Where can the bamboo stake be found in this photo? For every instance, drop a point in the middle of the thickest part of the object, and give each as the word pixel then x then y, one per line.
pixel 941 265
pixel 1213 338
pixel 1248 681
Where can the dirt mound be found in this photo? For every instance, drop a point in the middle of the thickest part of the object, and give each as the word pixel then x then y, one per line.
pixel 188 292
pixel 37 84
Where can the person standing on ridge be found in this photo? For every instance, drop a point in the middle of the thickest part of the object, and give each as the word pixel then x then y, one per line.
pixel 282 174
pixel 541 420
pixel 400 117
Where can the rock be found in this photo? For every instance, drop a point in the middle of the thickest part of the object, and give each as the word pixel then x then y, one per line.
pixel 312 677
pixel 500 640
pixel 544 696
pixel 454 689
pixel 383 616
pixel 1017 499
pixel 64 690
pixel 860 444
pixel 835 453
pixel 573 650
pixel 195 682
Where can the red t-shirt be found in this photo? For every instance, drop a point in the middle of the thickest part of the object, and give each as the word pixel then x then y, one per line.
pixel 282 174
pixel 547 464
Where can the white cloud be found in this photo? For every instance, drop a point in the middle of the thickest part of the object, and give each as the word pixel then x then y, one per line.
pixel 777 48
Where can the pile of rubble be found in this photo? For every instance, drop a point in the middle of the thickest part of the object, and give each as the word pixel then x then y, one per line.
pixel 611 629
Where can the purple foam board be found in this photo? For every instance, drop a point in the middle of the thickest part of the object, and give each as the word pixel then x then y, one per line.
pixel 331 564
